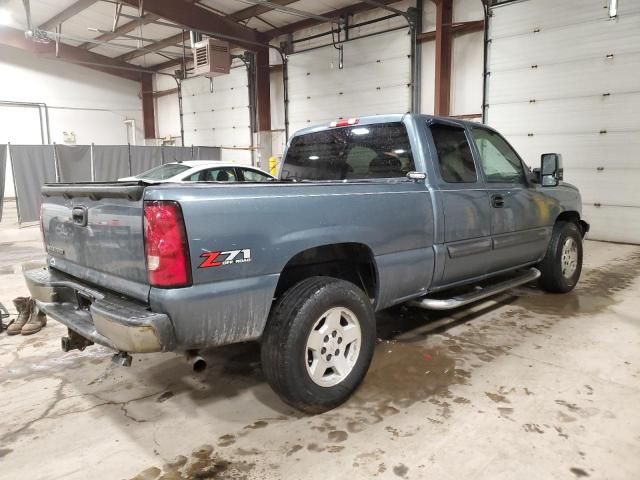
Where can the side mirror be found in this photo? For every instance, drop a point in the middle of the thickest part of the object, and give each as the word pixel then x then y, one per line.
pixel 551 171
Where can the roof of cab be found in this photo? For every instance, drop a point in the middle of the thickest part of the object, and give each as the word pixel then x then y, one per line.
pixel 391 117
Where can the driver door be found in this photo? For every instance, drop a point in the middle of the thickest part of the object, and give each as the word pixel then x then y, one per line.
pixel 520 223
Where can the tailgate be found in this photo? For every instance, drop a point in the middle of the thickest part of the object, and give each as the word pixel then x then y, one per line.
pixel 95 232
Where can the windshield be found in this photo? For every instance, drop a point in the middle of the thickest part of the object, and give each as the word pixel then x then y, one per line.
pixel 357 152
pixel 163 171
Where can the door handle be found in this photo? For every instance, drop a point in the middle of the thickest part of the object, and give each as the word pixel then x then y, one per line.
pixel 497 201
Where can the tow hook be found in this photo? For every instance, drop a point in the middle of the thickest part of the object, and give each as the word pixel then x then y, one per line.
pixel 74 341
pixel 122 358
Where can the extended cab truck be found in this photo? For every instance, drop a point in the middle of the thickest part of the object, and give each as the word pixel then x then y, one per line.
pixel 368 213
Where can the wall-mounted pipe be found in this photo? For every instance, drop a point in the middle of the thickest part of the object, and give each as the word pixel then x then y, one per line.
pixel 249 59
pixel 285 85
pixel 180 113
pixel 416 57
pixel 485 66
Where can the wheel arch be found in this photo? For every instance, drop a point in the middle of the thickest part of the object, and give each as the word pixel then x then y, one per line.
pixel 574 217
pixel 350 261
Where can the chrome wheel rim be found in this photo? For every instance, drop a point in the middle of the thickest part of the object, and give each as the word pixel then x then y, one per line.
pixel 333 346
pixel 569 258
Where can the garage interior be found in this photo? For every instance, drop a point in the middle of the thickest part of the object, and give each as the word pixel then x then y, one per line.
pixel 520 385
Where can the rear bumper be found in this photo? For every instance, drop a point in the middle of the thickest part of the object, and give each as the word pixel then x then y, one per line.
pixel 100 316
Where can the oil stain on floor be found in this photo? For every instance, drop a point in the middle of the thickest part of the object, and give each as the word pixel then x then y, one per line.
pixel 203 463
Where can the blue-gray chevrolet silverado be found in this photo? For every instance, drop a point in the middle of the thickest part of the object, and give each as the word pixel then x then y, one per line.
pixel 367 213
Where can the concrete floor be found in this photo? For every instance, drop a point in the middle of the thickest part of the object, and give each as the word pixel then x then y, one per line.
pixel 524 386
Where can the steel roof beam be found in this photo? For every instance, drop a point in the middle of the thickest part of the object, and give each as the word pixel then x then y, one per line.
pixel 66 14
pixel 193 17
pixel 15 38
pixel 340 12
pixel 122 30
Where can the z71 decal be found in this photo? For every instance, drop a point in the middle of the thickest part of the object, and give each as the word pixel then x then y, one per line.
pixel 216 259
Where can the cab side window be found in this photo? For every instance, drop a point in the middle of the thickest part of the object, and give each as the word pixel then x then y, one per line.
pixel 500 163
pixel 454 154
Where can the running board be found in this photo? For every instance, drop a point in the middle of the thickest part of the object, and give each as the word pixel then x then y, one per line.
pixel 480 294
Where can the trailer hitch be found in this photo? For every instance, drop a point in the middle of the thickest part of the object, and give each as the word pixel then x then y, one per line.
pixel 122 358
pixel 74 341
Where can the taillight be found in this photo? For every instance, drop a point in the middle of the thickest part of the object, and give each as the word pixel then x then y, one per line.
pixel 345 122
pixel 165 245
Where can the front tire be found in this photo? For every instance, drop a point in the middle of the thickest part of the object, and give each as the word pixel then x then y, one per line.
pixel 318 343
pixel 562 264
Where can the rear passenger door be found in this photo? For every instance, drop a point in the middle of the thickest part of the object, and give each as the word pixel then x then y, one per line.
pixel 520 223
pixel 465 205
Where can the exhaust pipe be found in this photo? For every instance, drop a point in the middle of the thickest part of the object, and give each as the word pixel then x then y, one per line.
pixel 198 363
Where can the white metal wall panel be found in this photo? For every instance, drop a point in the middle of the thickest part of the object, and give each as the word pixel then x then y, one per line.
pixel 565 77
pixel 375 80
pixel 569 115
pixel 220 118
pixel 564 45
pixel 583 150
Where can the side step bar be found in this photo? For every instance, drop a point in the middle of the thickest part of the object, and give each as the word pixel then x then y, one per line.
pixel 480 294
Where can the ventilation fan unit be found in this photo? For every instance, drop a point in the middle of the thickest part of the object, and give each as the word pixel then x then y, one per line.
pixel 211 58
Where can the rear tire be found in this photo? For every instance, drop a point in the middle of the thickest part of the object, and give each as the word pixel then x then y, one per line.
pixel 318 343
pixel 562 264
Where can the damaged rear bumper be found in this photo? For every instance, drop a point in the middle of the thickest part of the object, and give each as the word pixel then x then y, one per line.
pixel 102 317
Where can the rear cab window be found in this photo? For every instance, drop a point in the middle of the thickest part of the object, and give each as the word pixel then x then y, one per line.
pixel 359 152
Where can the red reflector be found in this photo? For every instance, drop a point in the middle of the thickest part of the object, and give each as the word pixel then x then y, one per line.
pixel 345 122
pixel 165 245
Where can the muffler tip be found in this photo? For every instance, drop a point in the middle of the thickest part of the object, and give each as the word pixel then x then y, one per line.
pixel 198 364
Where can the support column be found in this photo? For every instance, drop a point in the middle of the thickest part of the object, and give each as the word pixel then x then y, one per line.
pixel 444 18
pixel 148 106
pixel 263 90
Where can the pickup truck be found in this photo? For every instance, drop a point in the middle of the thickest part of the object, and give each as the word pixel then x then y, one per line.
pixel 367 213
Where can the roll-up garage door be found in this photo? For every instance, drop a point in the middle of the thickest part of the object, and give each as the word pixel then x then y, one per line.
pixel 219 116
pixel 565 77
pixel 375 79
